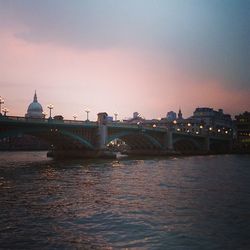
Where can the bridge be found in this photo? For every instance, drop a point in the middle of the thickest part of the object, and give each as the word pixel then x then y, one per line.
pixel 72 138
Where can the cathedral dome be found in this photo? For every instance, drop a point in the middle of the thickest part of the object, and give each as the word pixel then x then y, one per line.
pixel 35 109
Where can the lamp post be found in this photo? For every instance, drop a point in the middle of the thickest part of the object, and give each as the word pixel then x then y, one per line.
pixel 115 114
pixel 5 111
pixel 74 116
pixel 87 112
pixel 1 102
pixel 50 107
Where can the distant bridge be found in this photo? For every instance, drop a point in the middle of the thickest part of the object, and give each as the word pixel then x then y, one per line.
pixel 90 139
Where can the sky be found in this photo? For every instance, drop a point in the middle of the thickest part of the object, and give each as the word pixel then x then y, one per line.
pixel 149 56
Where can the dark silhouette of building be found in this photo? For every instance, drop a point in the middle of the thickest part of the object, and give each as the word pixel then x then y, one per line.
pixel 242 124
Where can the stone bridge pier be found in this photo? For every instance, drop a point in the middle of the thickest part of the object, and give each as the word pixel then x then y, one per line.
pixel 168 140
pixel 102 130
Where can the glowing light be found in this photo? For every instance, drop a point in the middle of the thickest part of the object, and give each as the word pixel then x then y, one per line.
pixel 201 126
pixel 174 122
pixel 189 124
pixel 178 129
pixel 197 132
pixel 50 106
pixel 5 111
pixel 210 128
pixel 219 130
pixel 1 102
pixel 154 126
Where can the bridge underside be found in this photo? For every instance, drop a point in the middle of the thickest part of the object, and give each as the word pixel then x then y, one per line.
pixel 62 143
pixel 58 139
pixel 220 147
pixel 138 143
pixel 185 147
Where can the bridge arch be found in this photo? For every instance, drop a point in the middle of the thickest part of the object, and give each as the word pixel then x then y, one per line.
pixel 136 139
pixel 220 146
pixel 46 135
pixel 186 145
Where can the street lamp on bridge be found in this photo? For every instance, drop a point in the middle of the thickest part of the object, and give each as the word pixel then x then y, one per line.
pixel 115 114
pixel 50 107
pixel 1 102
pixel 74 116
pixel 5 111
pixel 87 112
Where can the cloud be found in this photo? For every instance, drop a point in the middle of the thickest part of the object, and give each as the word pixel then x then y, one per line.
pixel 210 38
pixel 202 41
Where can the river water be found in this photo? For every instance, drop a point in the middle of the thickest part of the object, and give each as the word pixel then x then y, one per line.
pixel 198 202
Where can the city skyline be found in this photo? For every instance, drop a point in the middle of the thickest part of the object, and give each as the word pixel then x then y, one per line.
pixel 117 56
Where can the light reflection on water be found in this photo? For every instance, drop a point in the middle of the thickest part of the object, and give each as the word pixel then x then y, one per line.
pixel 177 203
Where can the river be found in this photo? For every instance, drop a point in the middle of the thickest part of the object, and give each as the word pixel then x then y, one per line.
pixel 195 202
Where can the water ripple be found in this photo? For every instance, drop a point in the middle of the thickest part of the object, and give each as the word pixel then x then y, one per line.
pixel 177 203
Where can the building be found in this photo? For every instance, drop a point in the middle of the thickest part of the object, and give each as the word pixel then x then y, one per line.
pixel 242 125
pixel 35 110
pixel 135 115
pixel 180 115
pixel 204 120
pixel 210 118
pixel 110 118
pixel 136 119
pixel 171 116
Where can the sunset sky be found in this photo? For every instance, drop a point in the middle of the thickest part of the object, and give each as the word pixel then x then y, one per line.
pixel 150 56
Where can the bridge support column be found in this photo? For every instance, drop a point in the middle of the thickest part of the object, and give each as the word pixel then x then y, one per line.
pixel 230 147
pixel 207 144
pixel 168 144
pixel 102 130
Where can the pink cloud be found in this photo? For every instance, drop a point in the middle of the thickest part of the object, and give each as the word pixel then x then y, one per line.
pixel 115 80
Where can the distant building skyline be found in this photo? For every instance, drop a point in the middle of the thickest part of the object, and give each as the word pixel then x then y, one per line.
pixel 35 110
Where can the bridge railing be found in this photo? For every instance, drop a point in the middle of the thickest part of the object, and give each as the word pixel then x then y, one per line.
pixel 78 122
pixel 160 128
pixel 48 120
pixel 15 118
pixel 135 126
